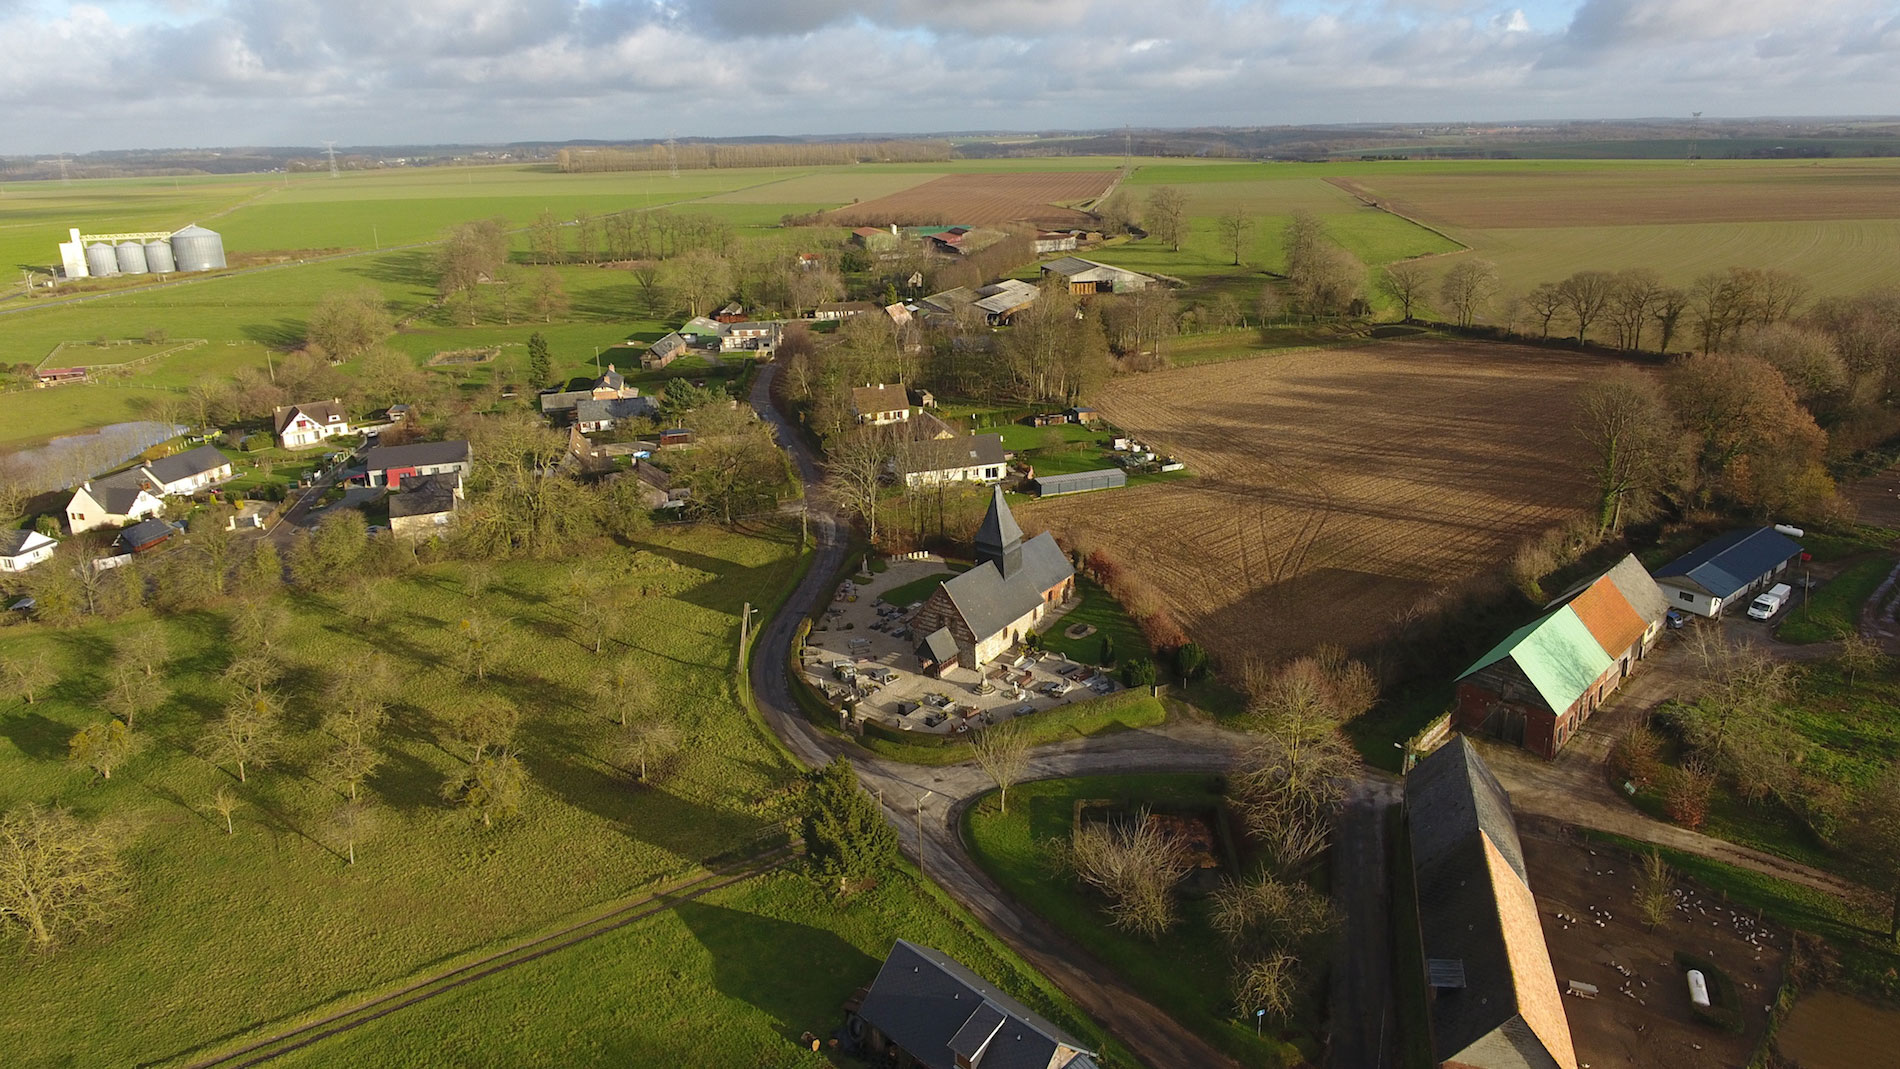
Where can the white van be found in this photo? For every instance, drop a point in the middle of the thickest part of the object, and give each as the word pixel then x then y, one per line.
pixel 1768 604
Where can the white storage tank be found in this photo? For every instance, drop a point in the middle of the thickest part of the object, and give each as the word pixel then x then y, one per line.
pixel 131 258
pixel 158 257
pixel 197 249
pixel 1698 988
pixel 101 260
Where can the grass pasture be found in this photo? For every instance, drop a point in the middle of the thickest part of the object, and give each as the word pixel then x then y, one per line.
pixel 1333 488
pixel 270 921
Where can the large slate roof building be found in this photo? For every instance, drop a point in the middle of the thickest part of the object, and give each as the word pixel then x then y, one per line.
pixel 1494 997
pixel 1726 570
pixel 984 611
pixel 944 1016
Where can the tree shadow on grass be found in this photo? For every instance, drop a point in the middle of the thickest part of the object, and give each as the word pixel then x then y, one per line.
pixel 285 333
pixel 412 267
pixel 37 735
pixel 645 813
pixel 753 955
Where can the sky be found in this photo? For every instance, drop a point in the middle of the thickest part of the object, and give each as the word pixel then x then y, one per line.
pixel 77 77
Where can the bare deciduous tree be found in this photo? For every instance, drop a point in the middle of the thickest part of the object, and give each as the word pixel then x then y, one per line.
pixel 483 722
pixel 101 747
pixel 1003 753
pixel 1404 282
pixel 246 735
pixel 1859 655
pixel 1654 891
pixel 490 787
pixel 1635 451
pixel 1136 864
pixel 30 675
pixel 855 466
pixel 59 876
pixel 224 802
pixel 1467 289
pixel 1166 216
pixel 134 694
pixel 350 765
pixel 1233 226
pixel 646 744
pixel 352 822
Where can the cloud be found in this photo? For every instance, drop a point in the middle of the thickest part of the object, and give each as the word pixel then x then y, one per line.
pixel 147 73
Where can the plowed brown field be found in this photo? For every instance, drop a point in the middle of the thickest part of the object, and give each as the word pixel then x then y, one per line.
pixel 985 198
pixel 1335 488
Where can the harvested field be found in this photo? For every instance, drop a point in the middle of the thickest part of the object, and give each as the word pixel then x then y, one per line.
pixel 976 199
pixel 1710 192
pixel 1334 488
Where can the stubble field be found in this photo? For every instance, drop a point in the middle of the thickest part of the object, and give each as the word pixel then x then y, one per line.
pixel 1335 488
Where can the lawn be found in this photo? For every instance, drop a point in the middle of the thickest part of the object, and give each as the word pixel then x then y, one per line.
pixel 1834 609
pixel 1100 610
pixel 707 982
pixel 270 921
pixel 916 590
pixel 1078 719
pixel 1186 973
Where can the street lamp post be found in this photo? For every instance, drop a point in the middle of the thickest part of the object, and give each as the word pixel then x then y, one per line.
pixel 922 865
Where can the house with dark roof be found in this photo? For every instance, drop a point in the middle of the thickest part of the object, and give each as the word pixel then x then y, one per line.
pixel 112 501
pixel 20 550
pixel 144 535
pixel 1539 685
pixel 595 414
pixel 1725 570
pixel 1493 993
pixel 986 610
pixel 298 426
pixel 927 1010
pixel 425 505
pixel 747 335
pixel 389 465
pixel 935 461
pixel 881 404
pixel 183 474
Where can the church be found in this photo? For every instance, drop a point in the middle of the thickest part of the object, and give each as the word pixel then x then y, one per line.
pixel 977 616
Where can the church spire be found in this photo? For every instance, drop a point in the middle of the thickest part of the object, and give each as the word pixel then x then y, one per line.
pixel 999 540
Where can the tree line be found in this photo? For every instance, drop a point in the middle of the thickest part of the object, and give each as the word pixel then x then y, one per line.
pixel 703 156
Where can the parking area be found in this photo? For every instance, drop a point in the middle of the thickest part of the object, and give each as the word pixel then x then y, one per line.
pixel 862 655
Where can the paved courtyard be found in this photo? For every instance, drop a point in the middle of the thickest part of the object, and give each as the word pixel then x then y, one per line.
pixel 863 648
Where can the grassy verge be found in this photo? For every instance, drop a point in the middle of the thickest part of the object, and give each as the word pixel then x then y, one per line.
pixel 1397 717
pixel 917 590
pixel 1186 972
pixel 1835 608
pixel 1122 711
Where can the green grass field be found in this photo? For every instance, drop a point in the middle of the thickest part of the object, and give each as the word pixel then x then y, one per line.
pixel 1185 973
pixel 729 979
pixel 270 921
pixel 1834 608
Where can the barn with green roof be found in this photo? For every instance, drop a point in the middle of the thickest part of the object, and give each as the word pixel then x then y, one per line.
pixel 1538 685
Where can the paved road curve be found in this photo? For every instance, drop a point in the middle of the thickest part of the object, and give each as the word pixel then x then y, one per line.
pixel 931 801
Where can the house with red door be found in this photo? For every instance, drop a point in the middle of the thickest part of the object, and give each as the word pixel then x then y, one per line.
pixel 390 465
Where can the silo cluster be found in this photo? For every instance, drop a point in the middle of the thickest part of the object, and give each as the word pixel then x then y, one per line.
pixel 192 249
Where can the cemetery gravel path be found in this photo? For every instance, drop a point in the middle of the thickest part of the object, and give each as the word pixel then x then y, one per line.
pixel 927 803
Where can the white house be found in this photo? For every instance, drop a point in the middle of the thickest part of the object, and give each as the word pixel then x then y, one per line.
pixel 1726 570
pixel 20 550
pixel 299 426
pixel 113 501
pixel 389 465
pixel 933 461
pixel 184 474
pixel 882 404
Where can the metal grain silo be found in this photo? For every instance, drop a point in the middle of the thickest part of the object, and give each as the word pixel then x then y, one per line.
pixel 158 257
pixel 131 258
pixel 197 249
pixel 101 260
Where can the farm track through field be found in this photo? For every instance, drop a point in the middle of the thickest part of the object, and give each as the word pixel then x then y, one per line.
pixel 282 1043
pixel 1334 489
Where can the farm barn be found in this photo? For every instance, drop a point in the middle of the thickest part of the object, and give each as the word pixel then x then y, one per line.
pixel 1086 277
pixel 1731 568
pixel 1494 995
pixel 1542 682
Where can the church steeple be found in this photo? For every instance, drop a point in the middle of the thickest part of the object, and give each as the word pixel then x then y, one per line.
pixel 999 540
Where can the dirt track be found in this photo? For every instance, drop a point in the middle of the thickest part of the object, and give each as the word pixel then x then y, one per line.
pixel 1335 488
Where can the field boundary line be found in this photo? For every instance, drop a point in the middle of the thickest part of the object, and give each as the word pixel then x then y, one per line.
pixel 1352 189
pixel 363 1011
